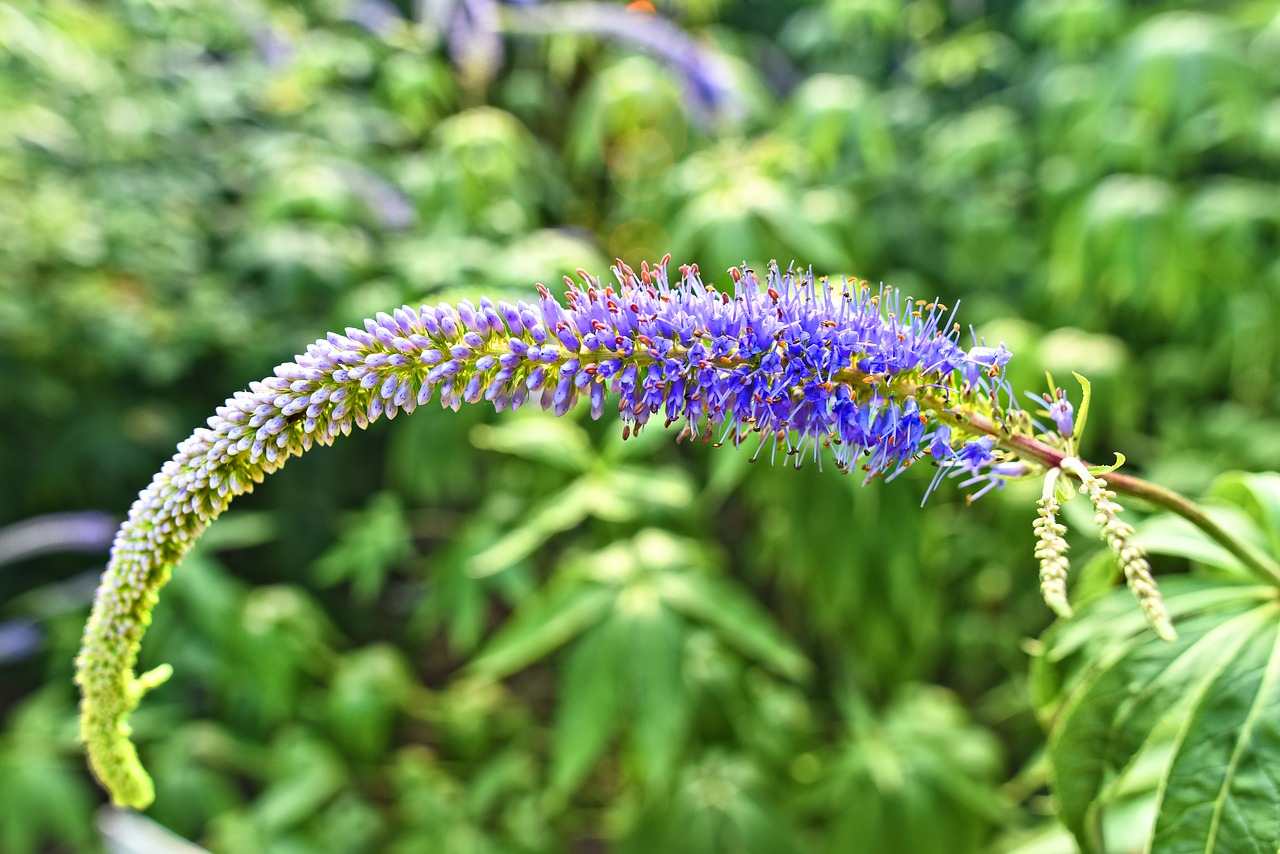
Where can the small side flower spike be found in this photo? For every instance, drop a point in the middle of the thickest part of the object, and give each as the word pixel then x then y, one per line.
pixel 1051 548
pixel 1132 559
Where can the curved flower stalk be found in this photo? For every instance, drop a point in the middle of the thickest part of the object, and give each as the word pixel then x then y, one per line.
pixel 1051 548
pixel 805 368
pixel 799 365
pixel 1131 558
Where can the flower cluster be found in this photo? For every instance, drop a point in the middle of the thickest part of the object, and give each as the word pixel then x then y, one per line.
pixel 1131 558
pixel 800 364
pixel 1051 548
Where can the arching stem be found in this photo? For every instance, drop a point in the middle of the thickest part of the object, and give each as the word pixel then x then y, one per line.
pixel 1263 565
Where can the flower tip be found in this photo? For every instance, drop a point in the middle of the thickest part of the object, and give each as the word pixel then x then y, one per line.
pixel 154 678
pixel 1060 606
pixel 1063 415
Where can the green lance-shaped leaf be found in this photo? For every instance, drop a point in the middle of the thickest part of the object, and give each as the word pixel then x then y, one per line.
pixel 1210 699
pixel 660 706
pixel 619 494
pixel 557 443
pixel 1221 790
pixel 1172 535
pixel 590 700
pixel 555 615
pixel 737 618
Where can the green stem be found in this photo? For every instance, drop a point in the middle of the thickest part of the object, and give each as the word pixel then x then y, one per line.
pixel 969 418
pixel 1027 448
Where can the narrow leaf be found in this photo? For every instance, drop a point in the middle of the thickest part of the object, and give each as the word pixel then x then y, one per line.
pixel 560 512
pixel 1167 534
pixel 558 613
pixel 660 705
pixel 590 699
pixel 1082 416
pixel 556 441
pixel 737 618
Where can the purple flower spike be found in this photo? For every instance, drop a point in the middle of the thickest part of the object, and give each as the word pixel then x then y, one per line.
pixel 811 369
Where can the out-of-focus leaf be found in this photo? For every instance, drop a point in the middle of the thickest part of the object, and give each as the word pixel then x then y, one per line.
pixel 1174 536
pixel 966 55
pixel 559 613
pixel 486 173
pixel 1246 506
pixel 555 441
pixel 201 767
pixel 283 638
pixel 842 123
pixel 630 108
pixel 559 512
pixel 475 715
pixel 741 622
pixel 437 811
pixel 917 776
pixel 456 600
pixel 1078 29
pixel 1178 65
pixel 306 773
pixel 720 803
pixel 1259 495
pixel 616 494
pixel 653 489
pixel 511 772
pixel 369 688
pixel 45 796
pixel 659 703
pixel 1125 233
pixel 373 542
pixel 591 695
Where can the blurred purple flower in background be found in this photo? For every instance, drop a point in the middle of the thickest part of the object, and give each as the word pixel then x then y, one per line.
pixel 273 46
pixel 394 209
pixel 377 16
pixel 707 82
pixel 88 531
pixel 473 30
pixel 19 639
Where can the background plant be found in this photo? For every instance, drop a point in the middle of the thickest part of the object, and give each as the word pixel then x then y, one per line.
pixel 190 192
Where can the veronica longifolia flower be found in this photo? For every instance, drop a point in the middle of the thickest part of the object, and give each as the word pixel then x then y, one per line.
pixel 793 364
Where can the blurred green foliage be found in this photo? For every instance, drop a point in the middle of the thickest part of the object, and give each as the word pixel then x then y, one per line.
pixel 469 633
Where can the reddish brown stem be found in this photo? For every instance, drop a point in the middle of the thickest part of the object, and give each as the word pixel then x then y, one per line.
pixel 1030 449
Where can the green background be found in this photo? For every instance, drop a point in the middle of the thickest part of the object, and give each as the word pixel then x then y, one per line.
pixel 467 632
